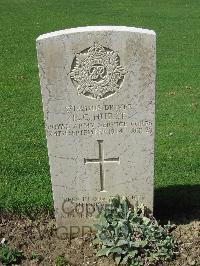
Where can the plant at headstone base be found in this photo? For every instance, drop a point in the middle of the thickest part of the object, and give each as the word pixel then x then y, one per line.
pixel 132 235
pixel 9 256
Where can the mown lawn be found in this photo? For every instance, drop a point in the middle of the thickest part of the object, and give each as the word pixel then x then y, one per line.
pixel 24 171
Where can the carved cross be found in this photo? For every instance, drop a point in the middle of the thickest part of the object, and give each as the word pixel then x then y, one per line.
pixel 101 161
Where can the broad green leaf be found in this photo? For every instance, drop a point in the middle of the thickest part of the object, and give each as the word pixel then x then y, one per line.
pixel 114 250
pixel 108 242
pixel 125 206
pixel 102 252
pixel 146 220
pixel 121 242
pixel 132 253
pixel 103 221
pixel 140 243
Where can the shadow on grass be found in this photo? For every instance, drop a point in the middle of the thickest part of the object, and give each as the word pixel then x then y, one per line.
pixel 177 201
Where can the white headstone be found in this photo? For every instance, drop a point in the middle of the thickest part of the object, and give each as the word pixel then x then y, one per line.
pixel 98 91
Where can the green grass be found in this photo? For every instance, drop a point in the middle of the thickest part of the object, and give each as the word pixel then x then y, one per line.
pixel 24 174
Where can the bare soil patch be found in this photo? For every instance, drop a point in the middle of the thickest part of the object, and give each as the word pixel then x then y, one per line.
pixel 39 236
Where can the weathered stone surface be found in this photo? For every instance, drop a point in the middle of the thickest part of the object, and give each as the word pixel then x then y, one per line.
pixel 98 92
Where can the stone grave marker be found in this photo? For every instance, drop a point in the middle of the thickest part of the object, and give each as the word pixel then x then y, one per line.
pixel 98 93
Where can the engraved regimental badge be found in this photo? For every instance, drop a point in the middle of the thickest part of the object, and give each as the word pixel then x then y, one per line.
pixel 96 72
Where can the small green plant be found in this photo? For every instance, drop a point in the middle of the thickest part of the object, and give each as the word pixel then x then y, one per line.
pixel 9 256
pixel 35 256
pixel 61 261
pixel 133 235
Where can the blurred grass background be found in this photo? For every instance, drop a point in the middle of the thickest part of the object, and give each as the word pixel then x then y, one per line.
pixel 24 171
